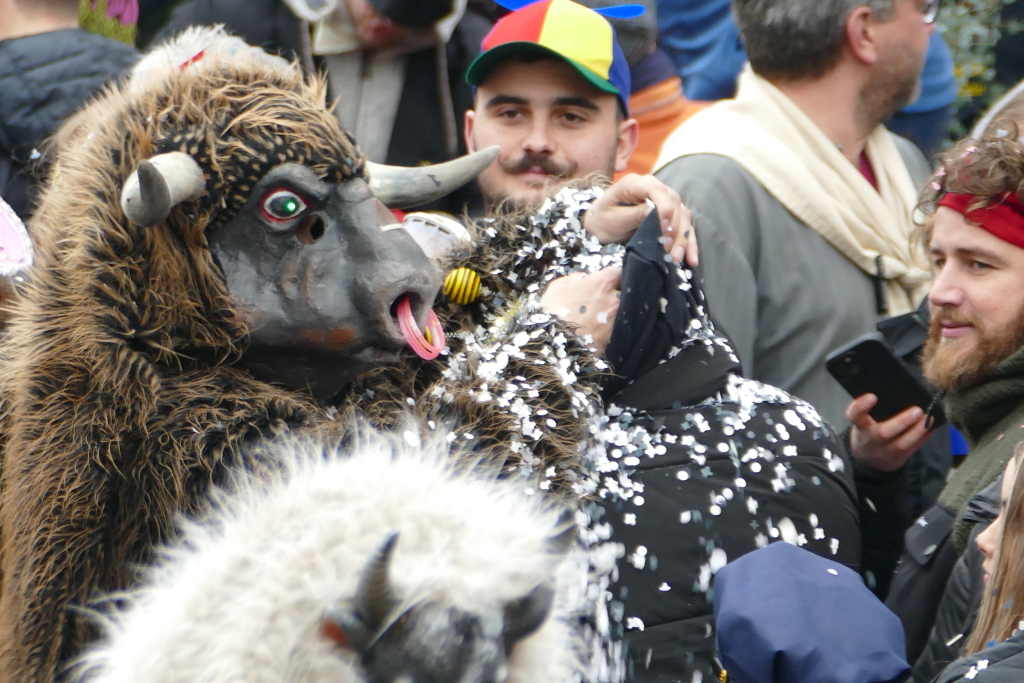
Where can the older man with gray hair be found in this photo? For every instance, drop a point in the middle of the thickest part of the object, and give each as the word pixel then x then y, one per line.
pixel 802 201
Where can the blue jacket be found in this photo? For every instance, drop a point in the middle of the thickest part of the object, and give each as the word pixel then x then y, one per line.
pixel 705 45
pixel 938 84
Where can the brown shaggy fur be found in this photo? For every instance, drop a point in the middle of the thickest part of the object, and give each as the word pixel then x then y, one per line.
pixel 120 400
pixel 120 404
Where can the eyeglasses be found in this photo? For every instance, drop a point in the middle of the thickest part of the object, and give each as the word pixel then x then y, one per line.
pixel 930 10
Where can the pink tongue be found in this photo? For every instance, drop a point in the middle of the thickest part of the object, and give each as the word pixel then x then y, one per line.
pixel 425 349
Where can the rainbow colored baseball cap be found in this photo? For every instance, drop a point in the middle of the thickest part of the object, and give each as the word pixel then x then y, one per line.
pixel 565 30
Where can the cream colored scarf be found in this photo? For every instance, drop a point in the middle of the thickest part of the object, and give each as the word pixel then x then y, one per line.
pixel 768 135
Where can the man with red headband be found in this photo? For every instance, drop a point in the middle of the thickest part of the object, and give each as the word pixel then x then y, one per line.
pixel 975 352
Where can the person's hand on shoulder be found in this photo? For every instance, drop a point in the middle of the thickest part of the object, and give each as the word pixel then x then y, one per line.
pixel 885 446
pixel 589 302
pixel 618 213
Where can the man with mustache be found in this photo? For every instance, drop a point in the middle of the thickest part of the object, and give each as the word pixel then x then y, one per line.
pixel 558 106
pixel 975 352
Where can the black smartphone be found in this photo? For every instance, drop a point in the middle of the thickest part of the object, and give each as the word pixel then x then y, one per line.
pixel 868 366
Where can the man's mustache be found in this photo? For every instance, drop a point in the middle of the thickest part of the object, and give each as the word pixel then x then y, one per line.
pixel 949 316
pixel 539 161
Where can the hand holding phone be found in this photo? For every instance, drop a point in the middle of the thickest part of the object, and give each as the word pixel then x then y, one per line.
pixel 893 412
pixel 868 366
pixel 885 446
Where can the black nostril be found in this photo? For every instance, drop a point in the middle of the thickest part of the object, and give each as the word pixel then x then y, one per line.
pixel 311 229
pixel 415 303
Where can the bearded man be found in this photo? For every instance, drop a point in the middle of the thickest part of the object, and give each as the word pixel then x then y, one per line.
pixel 802 200
pixel 975 352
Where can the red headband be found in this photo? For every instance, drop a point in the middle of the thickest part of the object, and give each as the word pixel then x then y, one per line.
pixel 1005 220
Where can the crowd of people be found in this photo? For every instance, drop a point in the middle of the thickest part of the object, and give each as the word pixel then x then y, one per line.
pixel 678 211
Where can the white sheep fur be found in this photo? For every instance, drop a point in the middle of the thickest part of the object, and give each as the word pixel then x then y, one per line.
pixel 217 49
pixel 241 595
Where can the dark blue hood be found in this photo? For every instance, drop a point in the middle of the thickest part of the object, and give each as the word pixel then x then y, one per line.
pixel 786 615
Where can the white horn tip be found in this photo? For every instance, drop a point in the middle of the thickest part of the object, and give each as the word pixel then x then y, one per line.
pixel 402 188
pixel 493 151
pixel 172 178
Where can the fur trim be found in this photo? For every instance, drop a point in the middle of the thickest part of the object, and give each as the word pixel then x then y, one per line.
pixel 241 596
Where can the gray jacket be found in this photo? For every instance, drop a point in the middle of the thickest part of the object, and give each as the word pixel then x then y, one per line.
pixel 784 295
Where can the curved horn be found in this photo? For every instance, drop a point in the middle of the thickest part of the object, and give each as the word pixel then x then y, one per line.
pixel 398 187
pixel 374 597
pixel 158 185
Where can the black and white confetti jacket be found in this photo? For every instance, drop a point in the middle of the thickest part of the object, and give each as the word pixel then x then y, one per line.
pixel 687 467
pixel 697 466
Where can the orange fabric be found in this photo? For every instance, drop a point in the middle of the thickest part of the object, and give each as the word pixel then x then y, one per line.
pixel 659 109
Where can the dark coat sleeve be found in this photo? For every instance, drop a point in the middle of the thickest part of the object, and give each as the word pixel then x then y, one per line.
pixel 922 574
pixel 722 198
pixel 889 502
pixel 883 522
pixel 958 610
pixel 955 619
pixel 927 468
pixel 1003 663
pixel 921 587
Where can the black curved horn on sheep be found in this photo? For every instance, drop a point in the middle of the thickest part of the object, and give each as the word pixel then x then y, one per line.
pixel 323 574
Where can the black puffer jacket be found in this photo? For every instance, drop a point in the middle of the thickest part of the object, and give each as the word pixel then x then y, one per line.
pixel 712 498
pixel 1002 663
pixel 43 80
pixel 958 610
pixel 736 465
